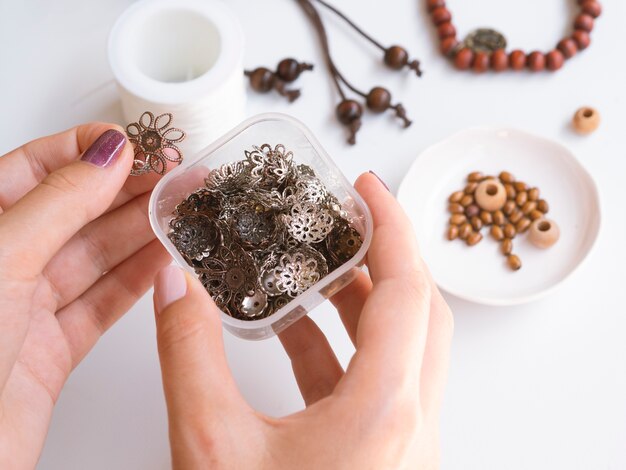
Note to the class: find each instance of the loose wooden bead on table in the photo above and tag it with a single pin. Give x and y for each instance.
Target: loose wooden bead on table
(586, 120)
(490, 195)
(514, 262)
(544, 233)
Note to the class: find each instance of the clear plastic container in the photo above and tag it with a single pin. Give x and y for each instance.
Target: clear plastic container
(273, 129)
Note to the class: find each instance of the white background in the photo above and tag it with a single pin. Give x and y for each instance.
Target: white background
(541, 386)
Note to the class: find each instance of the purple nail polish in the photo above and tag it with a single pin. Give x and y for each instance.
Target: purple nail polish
(380, 179)
(105, 150)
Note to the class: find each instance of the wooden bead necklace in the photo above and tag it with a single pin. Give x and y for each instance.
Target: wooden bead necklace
(486, 48)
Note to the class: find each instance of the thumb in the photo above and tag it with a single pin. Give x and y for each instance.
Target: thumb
(197, 382)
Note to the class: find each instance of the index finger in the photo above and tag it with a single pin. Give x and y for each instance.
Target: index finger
(392, 330)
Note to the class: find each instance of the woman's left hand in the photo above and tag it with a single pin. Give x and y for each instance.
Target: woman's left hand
(76, 252)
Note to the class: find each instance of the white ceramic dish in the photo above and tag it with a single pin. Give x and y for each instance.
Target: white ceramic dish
(479, 273)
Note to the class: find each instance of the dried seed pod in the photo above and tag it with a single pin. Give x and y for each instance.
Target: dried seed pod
(533, 194)
(509, 231)
(456, 196)
(456, 208)
(542, 205)
(472, 210)
(458, 219)
(486, 217)
(475, 176)
(520, 186)
(509, 207)
(523, 225)
(464, 231)
(514, 262)
(510, 191)
(490, 195)
(498, 218)
(453, 232)
(506, 247)
(516, 216)
(497, 233)
(529, 207)
(506, 177)
(536, 214)
(477, 224)
(521, 198)
(474, 238)
(470, 188)
(467, 200)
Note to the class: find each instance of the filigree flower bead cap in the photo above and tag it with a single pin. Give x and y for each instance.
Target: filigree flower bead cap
(154, 140)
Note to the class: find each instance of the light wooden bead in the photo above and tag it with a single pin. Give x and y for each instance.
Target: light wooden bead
(490, 195)
(586, 120)
(544, 233)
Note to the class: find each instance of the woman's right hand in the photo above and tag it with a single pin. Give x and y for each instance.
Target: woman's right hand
(382, 412)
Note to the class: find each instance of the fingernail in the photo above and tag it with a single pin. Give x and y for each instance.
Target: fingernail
(170, 285)
(380, 179)
(105, 150)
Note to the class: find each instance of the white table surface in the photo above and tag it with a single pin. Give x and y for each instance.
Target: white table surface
(541, 386)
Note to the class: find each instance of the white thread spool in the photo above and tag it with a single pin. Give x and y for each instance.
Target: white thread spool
(183, 57)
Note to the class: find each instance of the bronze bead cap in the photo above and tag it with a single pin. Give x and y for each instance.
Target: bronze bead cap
(262, 231)
(153, 141)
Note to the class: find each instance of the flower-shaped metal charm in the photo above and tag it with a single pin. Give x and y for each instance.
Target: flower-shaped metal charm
(228, 178)
(204, 201)
(195, 236)
(308, 189)
(229, 276)
(154, 143)
(309, 223)
(270, 167)
(299, 270)
(255, 226)
(343, 243)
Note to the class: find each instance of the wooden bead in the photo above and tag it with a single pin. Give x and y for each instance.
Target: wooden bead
(396, 57)
(481, 62)
(456, 208)
(568, 47)
(446, 30)
(448, 45)
(582, 39)
(523, 225)
(520, 186)
(348, 111)
(262, 79)
(378, 99)
(542, 205)
(533, 194)
(441, 15)
(509, 231)
(475, 177)
(467, 200)
(514, 262)
(521, 198)
(470, 188)
(529, 207)
(506, 177)
(456, 196)
(584, 22)
(490, 195)
(288, 70)
(592, 8)
(477, 224)
(497, 233)
(536, 214)
(472, 210)
(499, 60)
(453, 232)
(432, 4)
(516, 216)
(486, 217)
(509, 207)
(536, 61)
(507, 246)
(464, 231)
(498, 218)
(586, 120)
(510, 191)
(517, 59)
(554, 60)
(544, 233)
(463, 59)
(474, 238)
